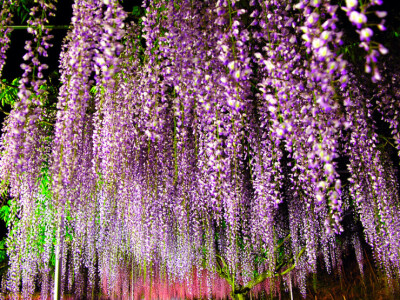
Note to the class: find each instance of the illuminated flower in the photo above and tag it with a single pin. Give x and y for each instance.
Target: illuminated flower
(366, 34)
(351, 4)
(357, 18)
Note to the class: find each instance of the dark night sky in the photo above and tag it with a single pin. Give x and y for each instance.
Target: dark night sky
(18, 37)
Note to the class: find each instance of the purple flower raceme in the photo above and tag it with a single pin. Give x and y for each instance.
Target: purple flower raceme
(359, 19)
(76, 67)
(324, 110)
(22, 127)
(375, 190)
(5, 21)
(25, 148)
(389, 100)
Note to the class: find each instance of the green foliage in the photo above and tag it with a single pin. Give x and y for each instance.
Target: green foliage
(94, 90)
(43, 205)
(137, 11)
(350, 52)
(5, 212)
(38, 235)
(5, 216)
(9, 92)
(3, 252)
(21, 8)
(47, 96)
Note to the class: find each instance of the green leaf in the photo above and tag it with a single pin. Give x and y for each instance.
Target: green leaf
(5, 213)
(53, 259)
(15, 81)
(136, 11)
(3, 255)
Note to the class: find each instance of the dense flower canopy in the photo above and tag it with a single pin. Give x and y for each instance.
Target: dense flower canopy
(199, 148)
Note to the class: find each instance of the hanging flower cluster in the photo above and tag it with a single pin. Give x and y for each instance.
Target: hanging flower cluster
(374, 187)
(203, 162)
(5, 21)
(358, 17)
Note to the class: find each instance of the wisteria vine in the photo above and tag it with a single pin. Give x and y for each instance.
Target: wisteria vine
(203, 161)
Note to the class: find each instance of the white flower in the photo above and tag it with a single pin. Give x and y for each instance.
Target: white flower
(237, 74)
(381, 14)
(382, 49)
(366, 33)
(323, 52)
(317, 43)
(320, 198)
(357, 18)
(315, 3)
(328, 169)
(269, 65)
(326, 35)
(313, 18)
(352, 4)
(321, 185)
(279, 132)
(258, 55)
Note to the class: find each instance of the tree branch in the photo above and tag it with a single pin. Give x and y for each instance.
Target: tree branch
(9, 85)
(4, 112)
(283, 241)
(223, 270)
(47, 123)
(268, 274)
(294, 265)
(22, 27)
